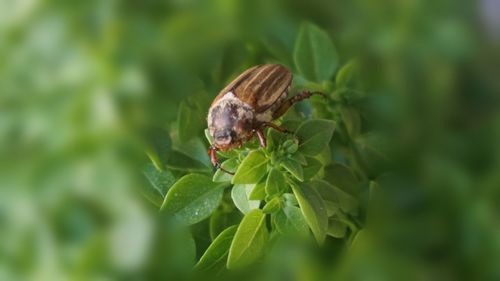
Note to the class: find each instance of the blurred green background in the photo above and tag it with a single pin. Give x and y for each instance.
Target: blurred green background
(80, 79)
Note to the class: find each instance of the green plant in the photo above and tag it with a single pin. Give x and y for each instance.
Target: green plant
(310, 182)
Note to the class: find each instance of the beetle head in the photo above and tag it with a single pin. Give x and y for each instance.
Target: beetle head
(224, 137)
(230, 122)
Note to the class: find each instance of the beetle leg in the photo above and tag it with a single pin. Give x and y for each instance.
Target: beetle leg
(262, 138)
(293, 100)
(277, 128)
(212, 152)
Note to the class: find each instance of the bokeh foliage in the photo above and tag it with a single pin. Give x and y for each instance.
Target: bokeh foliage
(82, 84)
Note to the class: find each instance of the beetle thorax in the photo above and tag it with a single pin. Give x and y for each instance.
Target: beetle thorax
(230, 121)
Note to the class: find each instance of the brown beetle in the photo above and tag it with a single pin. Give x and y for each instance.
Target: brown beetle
(248, 105)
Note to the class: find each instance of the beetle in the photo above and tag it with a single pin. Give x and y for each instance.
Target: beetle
(248, 105)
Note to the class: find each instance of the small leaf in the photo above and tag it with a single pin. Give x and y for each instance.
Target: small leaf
(325, 156)
(276, 183)
(160, 182)
(314, 210)
(178, 252)
(251, 169)
(352, 121)
(249, 241)
(331, 207)
(158, 146)
(229, 165)
(343, 177)
(192, 198)
(293, 168)
(217, 251)
(314, 135)
(314, 53)
(239, 194)
(290, 221)
(312, 168)
(346, 74)
(299, 158)
(182, 162)
(220, 220)
(259, 191)
(194, 148)
(336, 228)
(290, 199)
(272, 206)
(334, 194)
(374, 150)
(189, 121)
(274, 139)
(291, 146)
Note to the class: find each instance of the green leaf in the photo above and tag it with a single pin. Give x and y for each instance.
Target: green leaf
(336, 228)
(221, 219)
(342, 177)
(276, 183)
(290, 221)
(194, 148)
(334, 194)
(259, 190)
(251, 169)
(158, 146)
(314, 53)
(192, 198)
(291, 146)
(229, 165)
(189, 121)
(314, 135)
(290, 199)
(313, 208)
(325, 156)
(346, 74)
(249, 241)
(182, 162)
(177, 253)
(373, 150)
(331, 207)
(160, 182)
(272, 206)
(299, 158)
(217, 251)
(293, 168)
(352, 121)
(240, 194)
(312, 168)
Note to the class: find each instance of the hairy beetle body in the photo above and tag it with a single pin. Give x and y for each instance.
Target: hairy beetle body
(247, 105)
